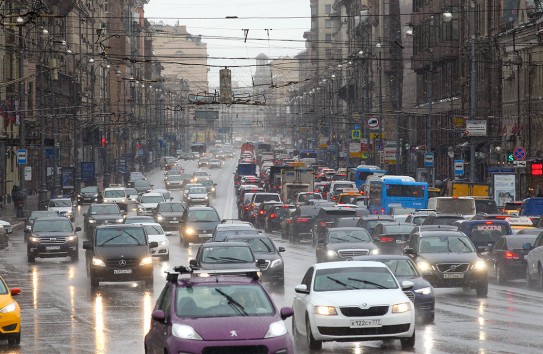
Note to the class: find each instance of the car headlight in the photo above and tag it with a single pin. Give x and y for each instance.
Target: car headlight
(424, 266)
(189, 231)
(12, 307)
(325, 310)
(331, 253)
(34, 239)
(189, 198)
(206, 197)
(213, 189)
(98, 262)
(276, 263)
(401, 308)
(168, 183)
(159, 218)
(119, 221)
(140, 208)
(185, 332)
(92, 221)
(374, 251)
(276, 329)
(71, 238)
(479, 265)
(69, 212)
(424, 291)
(164, 243)
(146, 261)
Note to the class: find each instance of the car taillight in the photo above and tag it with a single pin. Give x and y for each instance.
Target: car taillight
(334, 198)
(322, 223)
(246, 208)
(273, 216)
(306, 220)
(511, 255)
(382, 210)
(261, 212)
(386, 239)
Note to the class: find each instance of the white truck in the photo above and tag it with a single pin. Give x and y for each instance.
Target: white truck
(294, 181)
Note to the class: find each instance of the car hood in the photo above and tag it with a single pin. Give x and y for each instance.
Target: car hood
(449, 257)
(351, 245)
(231, 328)
(54, 234)
(129, 251)
(102, 217)
(157, 238)
(370, 297)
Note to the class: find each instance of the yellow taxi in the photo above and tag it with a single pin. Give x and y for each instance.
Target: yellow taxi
(10, 314)
(350, 196)
(520, 223)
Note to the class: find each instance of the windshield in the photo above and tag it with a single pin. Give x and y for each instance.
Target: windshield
(200, 173)
(116, 193)
(348, 236)
(455, 206)
(40, 214)
(203, 216)
(60, 203)
(486, 206)
(354, 278)
(133, 236)
(222, 235)
(198, 190)
(142, 183)
(175, 178)
(89, 190)
(222, 301)
(131, 191)
(343, 185)
(104, 209)
(60, 225)
(446, 244)
(171, 207)
(260, 198)
(152, 199)
(400, 267)
(257, 244)
(228, 254)
(153, 229)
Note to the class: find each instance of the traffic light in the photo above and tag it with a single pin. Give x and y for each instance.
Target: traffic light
(104, 142)
(139, 146)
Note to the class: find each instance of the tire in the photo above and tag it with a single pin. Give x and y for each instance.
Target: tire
(312, 343)
(14, 339)
(31, 258)
(408, 343)
(530, 284)
(482, 289)
(501, 275)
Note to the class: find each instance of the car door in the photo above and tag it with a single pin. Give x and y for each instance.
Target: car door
(535, 256)
(301, 300)
(496, 253)
(160, 329)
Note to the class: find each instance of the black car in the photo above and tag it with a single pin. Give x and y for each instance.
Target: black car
(343, 243)
(53, 237)
(211, 187)
(298, 224)
(197, 224)
(391, 237)
(326, 217)
(262, 212)
(422, 293)
(276, 215)
(142, 186)
(506, 259)
(442, 219)
(168, 214)
(448, 259)
(369, 222)
(35, 215)
(119, 253)
(99, 214)
(240, 228)
(88, 194)
(272, 266)
(224, 255)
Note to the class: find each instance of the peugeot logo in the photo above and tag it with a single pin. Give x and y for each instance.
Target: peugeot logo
(122, 262)
(233, 334)
(452, 267)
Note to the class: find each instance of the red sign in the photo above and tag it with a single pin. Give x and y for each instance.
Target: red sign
(537, 169)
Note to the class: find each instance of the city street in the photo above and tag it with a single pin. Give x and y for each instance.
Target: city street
(61, 314)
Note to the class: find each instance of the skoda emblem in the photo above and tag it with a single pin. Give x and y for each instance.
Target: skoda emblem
(122, 262)
(363, 305)
(233, 334)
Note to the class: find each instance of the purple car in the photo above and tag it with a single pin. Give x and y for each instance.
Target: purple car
(217, 313)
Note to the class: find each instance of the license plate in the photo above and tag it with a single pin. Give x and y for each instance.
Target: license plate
(122, 271)
(52, 248)
(400, 241)
(366, 323)
(204, 235)
(453, 276)
(174, 222)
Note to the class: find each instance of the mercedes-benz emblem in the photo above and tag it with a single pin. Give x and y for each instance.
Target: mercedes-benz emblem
(205, 232)
(122, 262)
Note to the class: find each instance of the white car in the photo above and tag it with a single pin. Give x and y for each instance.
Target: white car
(148, 202)
(156, 233)
(188, 187)
(198, 196)
(7, 226)
(116, 195)
(534, 260)
(63, 206)
(352, 301)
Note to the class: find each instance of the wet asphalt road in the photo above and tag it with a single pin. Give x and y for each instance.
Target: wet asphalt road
(60, 313)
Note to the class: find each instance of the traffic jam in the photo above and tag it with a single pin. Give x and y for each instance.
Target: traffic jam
(249, 247)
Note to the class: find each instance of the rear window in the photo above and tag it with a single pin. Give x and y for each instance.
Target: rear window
(334, 214)
(512, 206)
(265, 197)
(398, 229)
(446, 220)
(343, 185)
(488, 232)
(486, 206)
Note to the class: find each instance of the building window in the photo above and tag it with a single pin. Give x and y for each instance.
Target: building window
(327, 9)
(328, 23)
(328, 38)
(328, 53)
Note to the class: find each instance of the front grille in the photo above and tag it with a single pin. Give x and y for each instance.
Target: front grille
(265, 265)
(352, 253)
(372, 331)
(452, 267)
(114, 262)
(359, 312)
(246, 349)
(53, 240)
(410, 295)
(426, 307)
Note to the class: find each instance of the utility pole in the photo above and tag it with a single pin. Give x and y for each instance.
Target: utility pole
(473, 87)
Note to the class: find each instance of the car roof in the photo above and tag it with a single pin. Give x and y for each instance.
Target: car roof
(52, 218)
(442, 233)
(377, 217)
(380, 257)
(334, 265)
(242, 225)
(224, 244)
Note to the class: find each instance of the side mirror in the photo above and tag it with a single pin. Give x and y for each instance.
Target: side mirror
(483, 249)
(286, 312)
(153, 244)
(301, 289)
(77, 229)
(87, 245)
(168, 233)
(408, 250)
(281, 249)
(407, 285)
(15, 291)
(527, 246)
(193, 264)
(158, 315)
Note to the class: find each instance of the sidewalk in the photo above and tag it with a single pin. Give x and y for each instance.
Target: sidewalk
(8, 212)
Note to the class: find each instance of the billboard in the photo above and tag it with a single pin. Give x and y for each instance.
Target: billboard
(504, 188)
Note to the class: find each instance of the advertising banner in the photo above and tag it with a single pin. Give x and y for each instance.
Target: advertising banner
(504, 188)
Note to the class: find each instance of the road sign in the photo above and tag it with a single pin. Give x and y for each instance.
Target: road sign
(355, 134)
(519, 163)
(373, 122)
(389, 155)
(28, 173)
(21, 156)
(356, 126)
(519, 153)
(375, 136)
(476, 127)
(458, 167)
(429, 159)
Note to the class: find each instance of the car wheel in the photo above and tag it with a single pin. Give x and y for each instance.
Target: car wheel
(409, 342)
(482, 289)
(14, 339)
(312, 343)
(501, 277)
(529, 282)
(31, 258)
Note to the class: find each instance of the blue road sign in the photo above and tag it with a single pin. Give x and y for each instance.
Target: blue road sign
(21, 156)
(519, 153)
(429, 159)
(458, 167)
(356, 127)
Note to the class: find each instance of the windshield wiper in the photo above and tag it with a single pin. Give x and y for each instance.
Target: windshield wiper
(359, 239)
(379, 286)
(232, 259)
(465, 245)
(341, 283)
(119, 235)
(339, 238)
(233, 303)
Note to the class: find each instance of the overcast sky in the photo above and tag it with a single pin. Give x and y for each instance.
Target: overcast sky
(207, 17)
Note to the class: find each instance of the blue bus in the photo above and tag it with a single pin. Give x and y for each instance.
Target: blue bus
(362, 172)
(396, 192)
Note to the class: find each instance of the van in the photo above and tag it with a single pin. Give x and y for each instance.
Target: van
(116, 195)
(453, 205)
